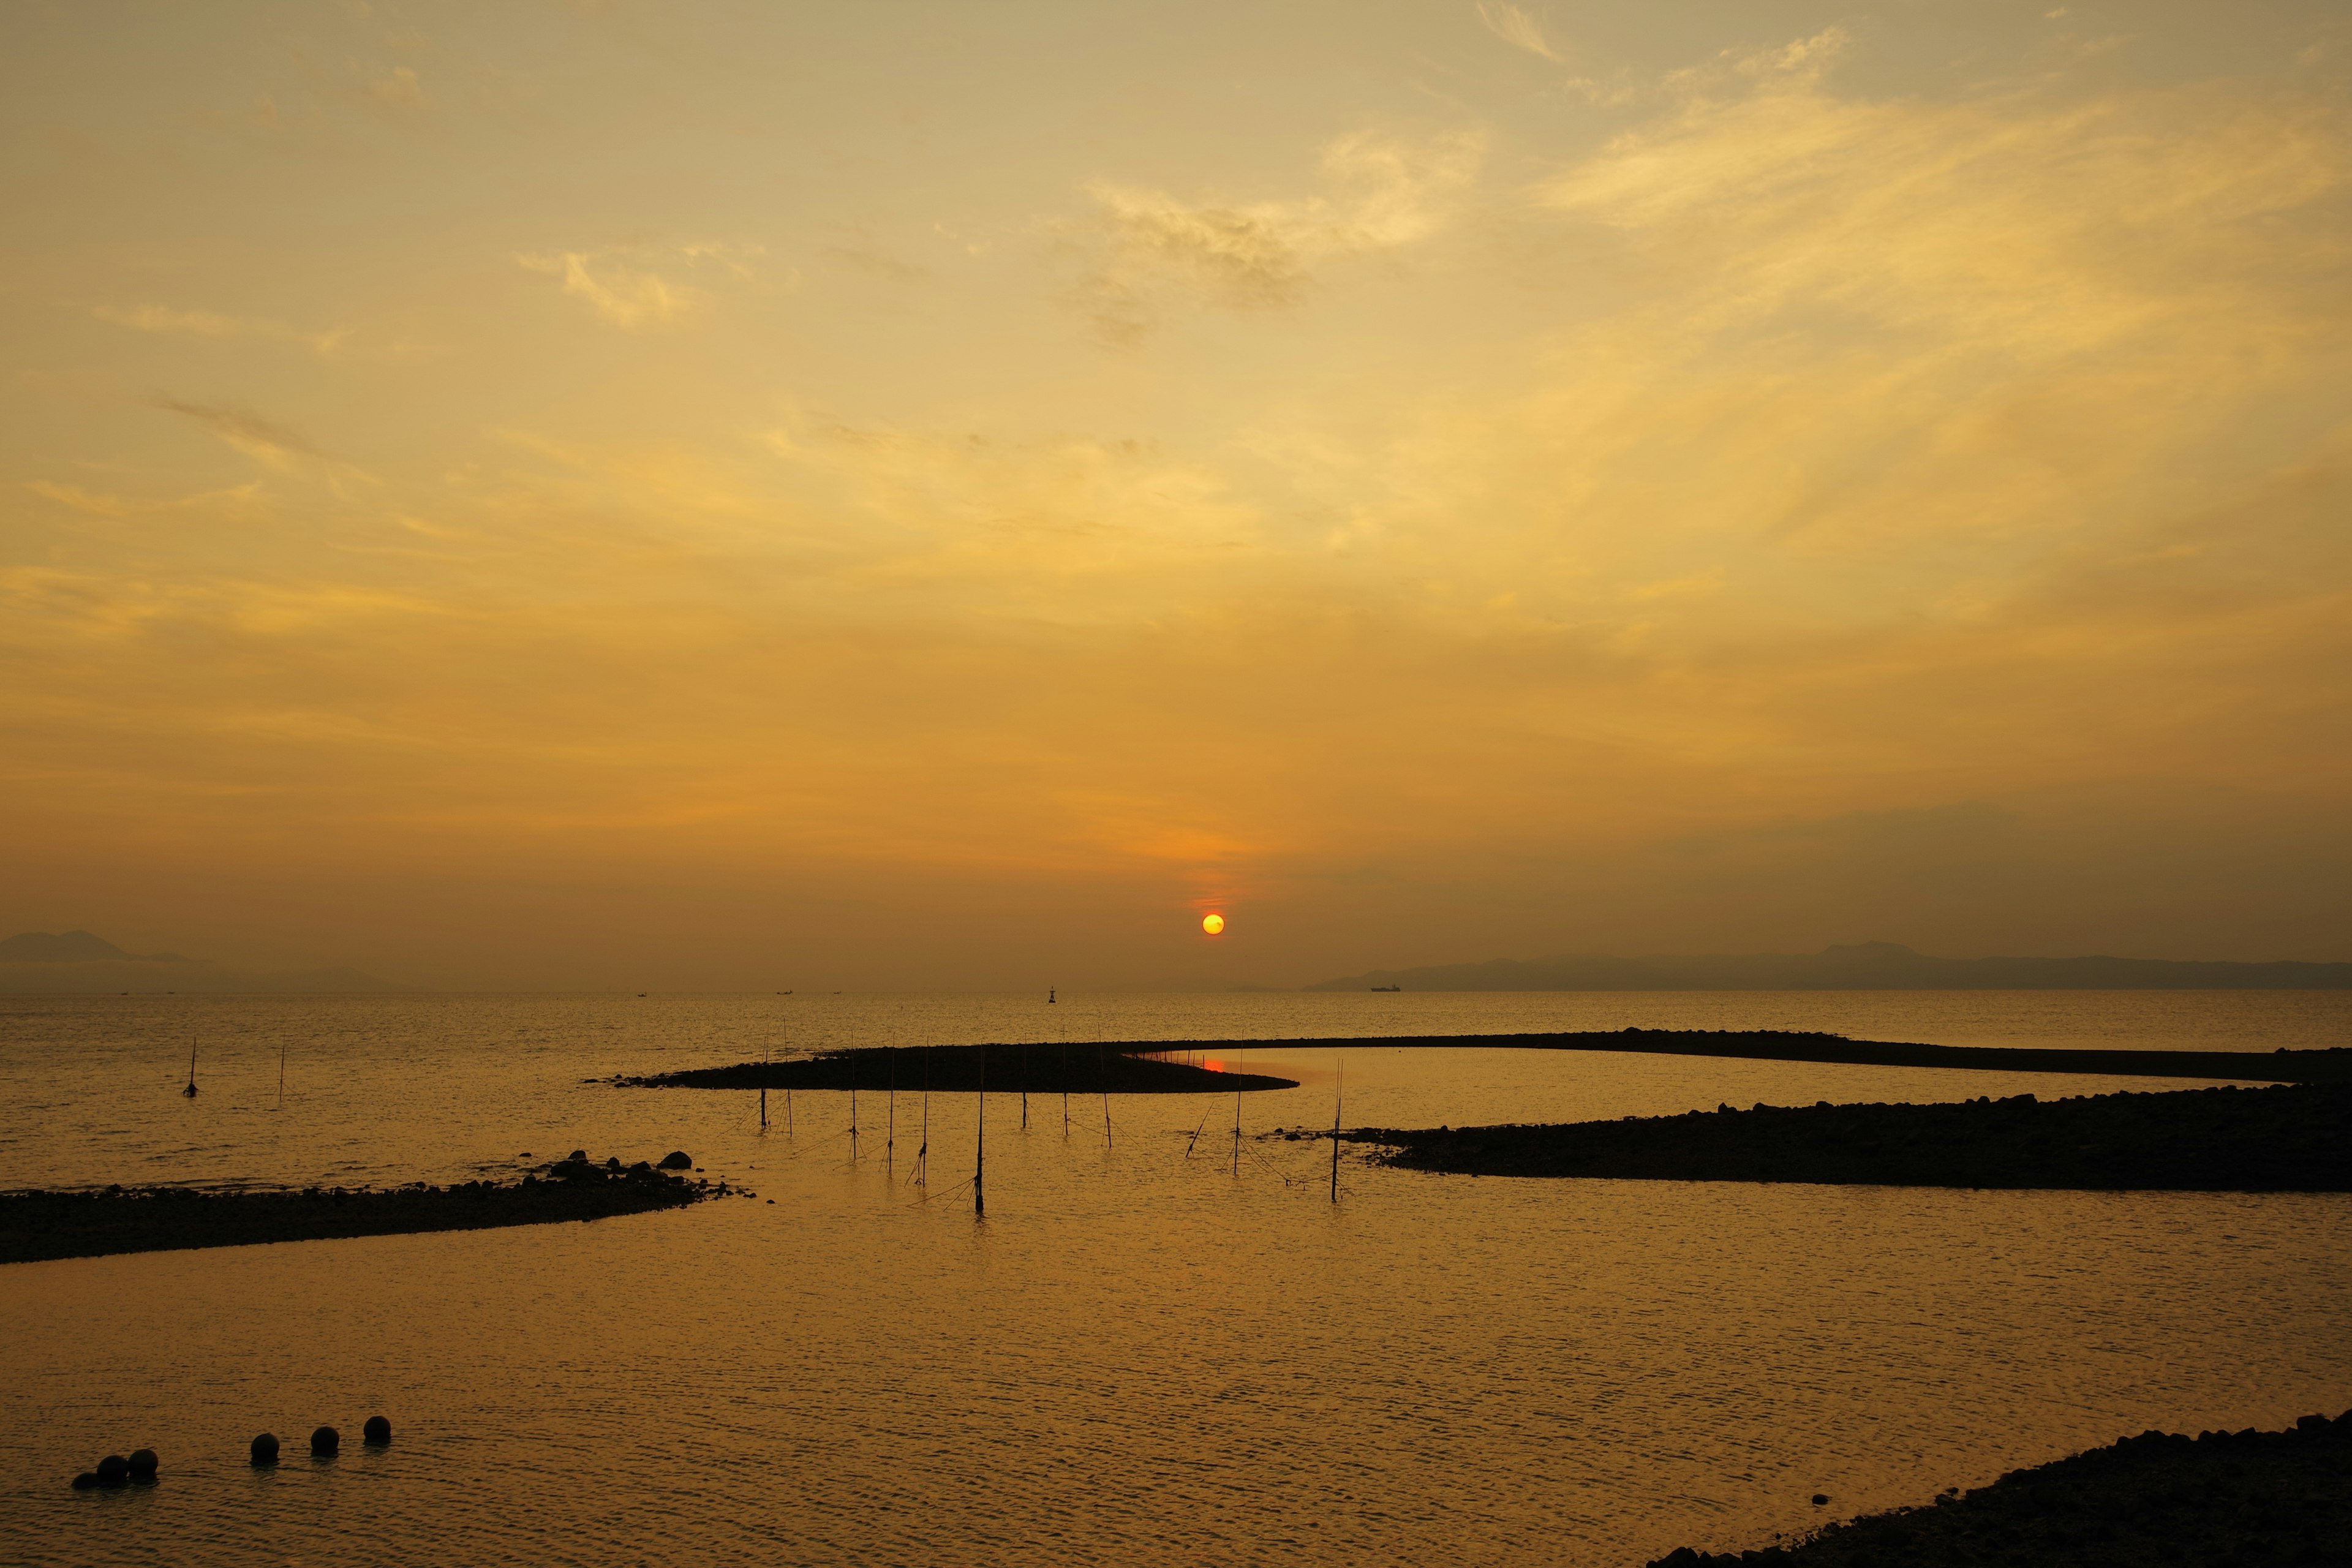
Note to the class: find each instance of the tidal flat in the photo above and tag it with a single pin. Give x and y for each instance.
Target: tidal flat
(2285, 1138)
(37, 1225)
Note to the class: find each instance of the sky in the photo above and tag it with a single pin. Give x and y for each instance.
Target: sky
(931, 497)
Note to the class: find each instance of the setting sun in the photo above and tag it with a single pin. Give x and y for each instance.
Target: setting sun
(1213, 924)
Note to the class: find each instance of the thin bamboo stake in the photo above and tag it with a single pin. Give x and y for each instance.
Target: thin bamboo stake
(1102, 1081)
(922, 1177)
(1339, 1086)
(890, 1139)
(979, 1144)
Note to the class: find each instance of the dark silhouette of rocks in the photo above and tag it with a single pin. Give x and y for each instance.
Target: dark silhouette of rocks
(2221, 1500)
(1037, 1066)
(144, 1464)
(34, 1225)
(2285, 1138)
(113, 1470)
(265, 1450)
(1859, 966)
(377, 1431)
(677, 1160)
(84, 1481)
(325, 1443)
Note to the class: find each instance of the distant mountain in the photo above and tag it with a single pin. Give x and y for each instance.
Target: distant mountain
(1863, 967)
(76, 962)
(72, 947)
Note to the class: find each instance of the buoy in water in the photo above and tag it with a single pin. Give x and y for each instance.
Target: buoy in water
(325, 1443)
(265, 1450)
(378, 1430)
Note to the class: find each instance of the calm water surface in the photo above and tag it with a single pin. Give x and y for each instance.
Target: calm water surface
(1138, 1355)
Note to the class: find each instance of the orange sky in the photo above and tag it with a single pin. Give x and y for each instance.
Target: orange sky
(635, 495)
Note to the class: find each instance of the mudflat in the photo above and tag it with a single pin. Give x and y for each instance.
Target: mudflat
(1037, 1067)
(2284, 1137)
(39, 1226)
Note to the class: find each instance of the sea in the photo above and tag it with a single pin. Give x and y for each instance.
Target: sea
(1163, 1343)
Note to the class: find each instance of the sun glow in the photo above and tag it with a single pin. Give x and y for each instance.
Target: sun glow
(1213, 924)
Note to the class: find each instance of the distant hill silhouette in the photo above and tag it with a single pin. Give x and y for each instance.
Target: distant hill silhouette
(72, 947)
(1863, 966)
(77, 962)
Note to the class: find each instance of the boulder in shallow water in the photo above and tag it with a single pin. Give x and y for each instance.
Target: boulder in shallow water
(113, 1470)
(265, 1450)
(377, 1430)
(143, 1464)
(677, 1160)
(84, 1481)
(325, 1443)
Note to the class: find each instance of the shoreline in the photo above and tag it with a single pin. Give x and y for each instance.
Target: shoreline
(2219, 1497)
(2283, 1138)
(40, 1226)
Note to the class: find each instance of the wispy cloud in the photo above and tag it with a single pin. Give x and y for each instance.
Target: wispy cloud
(1516, 28)
(79, 498)
(213, 324)
(622, 289)
(258, 438)
(1381, 193)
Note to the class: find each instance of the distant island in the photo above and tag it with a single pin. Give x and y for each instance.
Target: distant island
(1861, 966)
(75, 962)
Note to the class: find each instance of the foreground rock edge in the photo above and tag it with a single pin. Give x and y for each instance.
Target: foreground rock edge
(2221, 1498)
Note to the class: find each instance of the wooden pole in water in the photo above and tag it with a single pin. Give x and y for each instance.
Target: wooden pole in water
(1024, 1086)
(1066, 1088)
(1237, 1132)
(890, 1138)
(852, 1108)
(1339, 1086)
(980, 1156)
(764, 1093)
(923, 1155)
(281, 1075)
(190, 1092)
(1102, 1080)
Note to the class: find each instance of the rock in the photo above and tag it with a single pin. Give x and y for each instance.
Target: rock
(143, 1464)
(325, 1443)
(377, 1430)
(677, 1160)
(265, 1450)
(580, 1155)
(113, 1470)
(1820, 1499)
(84, 1481)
